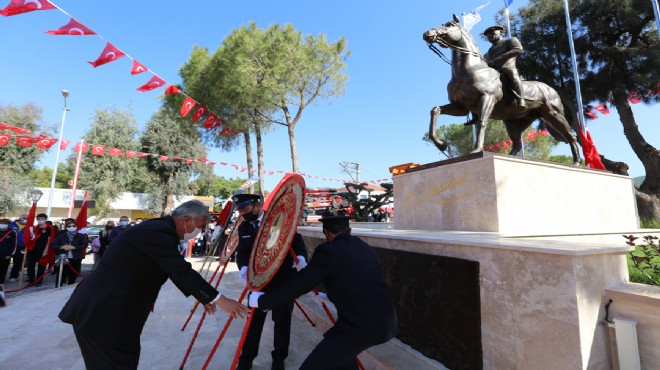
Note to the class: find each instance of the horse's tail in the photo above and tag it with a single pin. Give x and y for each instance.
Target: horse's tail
(433, 135)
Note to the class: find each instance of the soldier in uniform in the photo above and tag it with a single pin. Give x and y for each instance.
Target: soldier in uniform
(249, 206)
(350, 271)
(502, 56)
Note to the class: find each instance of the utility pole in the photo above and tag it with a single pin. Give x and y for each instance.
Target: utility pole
(351, 167)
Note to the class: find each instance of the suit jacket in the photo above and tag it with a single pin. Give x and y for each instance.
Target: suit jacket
(247, 233)
(350, 271)
(114, 301)
(79, 241)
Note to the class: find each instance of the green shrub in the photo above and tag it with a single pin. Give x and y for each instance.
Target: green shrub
(649, 224)
(644, 261)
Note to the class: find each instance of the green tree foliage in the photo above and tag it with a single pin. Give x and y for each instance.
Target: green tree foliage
(41, 177)
(108, 176)
(461, 141)
(169, 134)
(217, 186)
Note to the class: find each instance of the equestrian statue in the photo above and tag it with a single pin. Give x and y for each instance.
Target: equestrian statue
(488, 86)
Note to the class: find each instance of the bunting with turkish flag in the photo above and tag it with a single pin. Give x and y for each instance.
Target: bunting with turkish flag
(188, 161)
(138, 68)
(109, 54)
(131, 154)
(24, 141)
(164, 157)
(4, 139)
(154, 83)
(23, 6)
(634, 97)
(115, 152)
(602, 108)
(46, 142)
(64, 144)
(203, 160)
(211, 121)
(199, 112)
(591, 156)
(81, 146)
(16, 130)
(142, 155)
(590, 114)
(98, 149)
(73, 28)
(172, 90)
(187, 105)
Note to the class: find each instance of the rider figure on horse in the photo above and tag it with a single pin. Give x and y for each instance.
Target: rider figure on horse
(502, 56)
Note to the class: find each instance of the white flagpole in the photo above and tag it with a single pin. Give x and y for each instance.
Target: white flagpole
(576, 77)
(656, 10)
(75, 178)
(506, 16)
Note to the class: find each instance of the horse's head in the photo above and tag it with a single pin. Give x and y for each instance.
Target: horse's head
(446, 35)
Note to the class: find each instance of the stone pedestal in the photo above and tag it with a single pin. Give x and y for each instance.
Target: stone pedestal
(513, 197)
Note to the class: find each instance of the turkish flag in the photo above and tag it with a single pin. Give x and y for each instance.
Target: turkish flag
(211, 121)
(531, 135)
(29, 237)
(602, 108)
(172, 90)
(109, 54)
(226, 131)
(73, 28)
(212, 163)
(131, 154)
(64, 144)
(138, 68)
(203, 160)
(590, 114)
(45, 142)
(176, 158)
(24, 141)
(224, 163)
(591, 156)
(164, 157)
(4, 139)
(634, 98)
(80, 146)
(81, 219)
(187, 105)
(24, 6)
(154, 83)
(98, 149)
(16, 130)
(115, 152)
(142, 155)
(188, 161)
(199, 112)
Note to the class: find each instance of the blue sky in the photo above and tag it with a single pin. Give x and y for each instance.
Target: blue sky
(394, 80)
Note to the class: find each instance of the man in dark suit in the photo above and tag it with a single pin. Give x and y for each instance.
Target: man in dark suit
(350, 271)
(109, 308)
(249, 206)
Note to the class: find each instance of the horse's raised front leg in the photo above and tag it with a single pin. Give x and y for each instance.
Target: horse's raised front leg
(485, 108)
(449, 109)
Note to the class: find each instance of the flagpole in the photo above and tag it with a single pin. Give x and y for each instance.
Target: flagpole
(75, 177)
(51, 195)
(656, 10)
(576, 77)
(506, 16)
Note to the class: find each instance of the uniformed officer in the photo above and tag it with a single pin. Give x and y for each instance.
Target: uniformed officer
(502, 56)
(250, 208)
(350, 271)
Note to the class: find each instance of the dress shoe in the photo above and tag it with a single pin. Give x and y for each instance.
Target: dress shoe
(244, 365)
(278, 364)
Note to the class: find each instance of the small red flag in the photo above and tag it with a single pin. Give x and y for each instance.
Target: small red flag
(28, 237)
(78, 147)
(81, 219)
(142, 155)
(16, 130)
(176, 158)
(73, 28)
(591, 156)
(187, 105)
(164, 157)
(188, 161)
(199, 112)
(131, 154)
(602, 108)
(211, 121)
(138, 68)
(590, 114)
(203, 160)
(24, 141)
(98, 149)
(154, 83)
(46, 142)
(109, 54)
(4, 139)
(172, 90)
(24, 6)
(634, 98)
(64, 144)
(115, 152)
(531, 135)
(226, 131)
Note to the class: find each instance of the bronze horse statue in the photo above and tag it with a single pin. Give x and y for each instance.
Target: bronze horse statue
(477, 88)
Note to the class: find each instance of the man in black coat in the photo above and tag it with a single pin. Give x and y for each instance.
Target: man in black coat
(250, 208)
(109, 308)
(350, 271)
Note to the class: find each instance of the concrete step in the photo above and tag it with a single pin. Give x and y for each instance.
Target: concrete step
(393, 355)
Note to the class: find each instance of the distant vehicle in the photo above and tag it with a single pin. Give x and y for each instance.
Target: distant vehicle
(93, 233)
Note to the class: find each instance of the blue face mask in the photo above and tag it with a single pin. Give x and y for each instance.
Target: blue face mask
(123, 223)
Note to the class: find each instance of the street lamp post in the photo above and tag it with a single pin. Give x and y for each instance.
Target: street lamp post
(65, 94)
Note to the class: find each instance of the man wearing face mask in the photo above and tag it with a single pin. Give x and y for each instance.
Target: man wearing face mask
(250, 208)
(7, 249)
(121, 227)
(40, 237)
(350, 271)
(109, 307)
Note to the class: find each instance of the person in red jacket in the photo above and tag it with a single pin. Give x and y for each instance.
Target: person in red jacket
(37, 241)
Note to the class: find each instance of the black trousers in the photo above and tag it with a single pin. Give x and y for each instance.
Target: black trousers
(282, 333)
(17, 260)
(32, 263)
(4, 266)
(335, 352)
(102, 355)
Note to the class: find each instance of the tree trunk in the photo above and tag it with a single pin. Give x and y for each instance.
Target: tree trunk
(648, 205)
(248, 150)
(260, 157)
(169, 199)
(294, 150)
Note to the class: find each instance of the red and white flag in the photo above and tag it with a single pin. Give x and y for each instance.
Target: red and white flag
(46, 142)
(109, 54)
(16, 130)
(64, 144)
(24, 6)
(530, 136)
(138, 68)
(24, 140)
(634, 97)
(590, 114)
(188, 161)
(187, 105)
(81, 219)
(142, 155)
(98, 149)
(115, 152)
(591, 155)
(172, 90)
(203, 160)
(164, 157)
(4, 139)
(602, 108)
(73, 28)
(199, 112)
(211, 121)
(154, 83)
(131, 154)
(79, 146)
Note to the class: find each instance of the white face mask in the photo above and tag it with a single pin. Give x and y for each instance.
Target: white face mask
(190, 235)
(71, 229)
(3, 226)
(41, 222)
